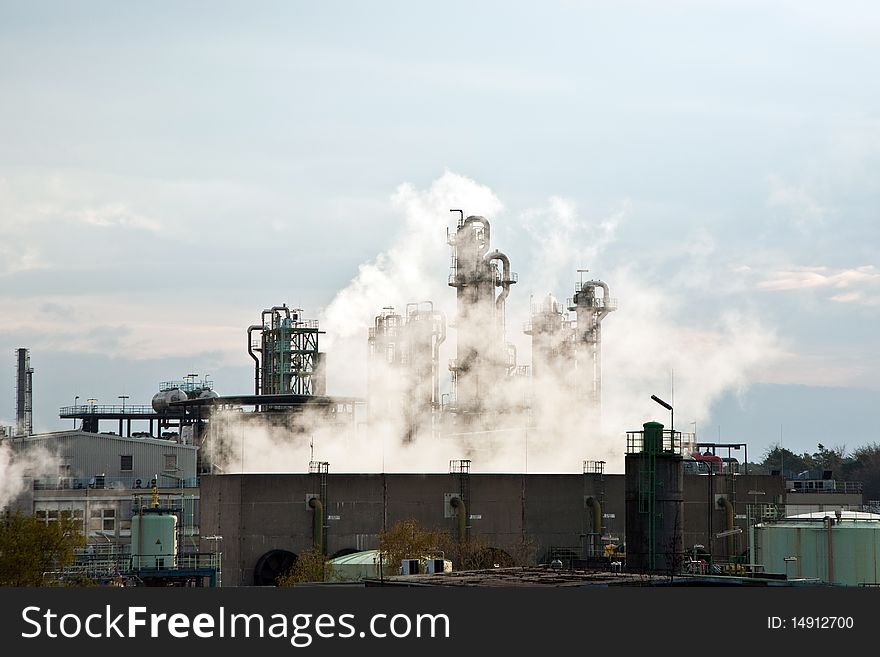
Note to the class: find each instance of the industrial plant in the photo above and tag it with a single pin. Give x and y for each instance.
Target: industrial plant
(163, 496)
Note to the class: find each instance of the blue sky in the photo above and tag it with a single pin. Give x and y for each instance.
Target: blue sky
(168, 170)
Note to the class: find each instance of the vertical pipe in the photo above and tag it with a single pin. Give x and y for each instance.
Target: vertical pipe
(829, 523)
(725, 504)
(250, 348)
(596, 508)
(317, 524)
(461, 516)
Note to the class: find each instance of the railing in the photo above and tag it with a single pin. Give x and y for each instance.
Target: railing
(103, 482)
(198, 560)
(88, 409)
(187, 386)
(827, 486)
(671, 443)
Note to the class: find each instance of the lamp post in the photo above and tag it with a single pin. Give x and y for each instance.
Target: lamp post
(75, 400)
(123, 398)
(669, 408)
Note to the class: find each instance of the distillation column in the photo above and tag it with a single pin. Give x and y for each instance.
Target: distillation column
(552, 336)
(289, 360)
(590, 311)
(483, 359)
(404, 375)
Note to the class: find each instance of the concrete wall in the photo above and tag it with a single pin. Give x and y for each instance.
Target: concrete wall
(525, 515)
(529, 516)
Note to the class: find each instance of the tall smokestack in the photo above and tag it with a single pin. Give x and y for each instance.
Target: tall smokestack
(24, 393)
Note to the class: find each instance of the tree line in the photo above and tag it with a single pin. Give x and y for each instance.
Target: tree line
(862, 464)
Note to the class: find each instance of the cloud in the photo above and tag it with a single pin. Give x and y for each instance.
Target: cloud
(17, 258)
(114, 215)
(862, 284)
(797, 202)
(562, 241)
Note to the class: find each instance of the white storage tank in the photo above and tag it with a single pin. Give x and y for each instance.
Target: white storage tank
(163, 398)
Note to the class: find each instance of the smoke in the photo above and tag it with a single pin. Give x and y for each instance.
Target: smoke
(18, 466)
(538, 424)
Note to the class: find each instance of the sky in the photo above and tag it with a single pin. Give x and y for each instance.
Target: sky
(168, 170)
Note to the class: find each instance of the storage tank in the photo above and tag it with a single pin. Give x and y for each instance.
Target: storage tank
(839, 548)
(654, 500)
(163, 398)
(154, 537)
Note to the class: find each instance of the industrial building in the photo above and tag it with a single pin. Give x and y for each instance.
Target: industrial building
(682, 506)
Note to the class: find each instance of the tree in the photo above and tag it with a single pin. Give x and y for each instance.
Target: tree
(409, 540)
(31, 549)
(779, 458)
(310, 566)
(865, 467)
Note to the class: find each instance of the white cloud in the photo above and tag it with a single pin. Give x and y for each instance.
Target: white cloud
(862, 284)
(798, 202)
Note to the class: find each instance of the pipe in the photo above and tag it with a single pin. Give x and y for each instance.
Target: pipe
(606, 297)
(725, 504)
(596, 506)
(487, 231)
(317, 524)
(250, 348)
(441, 338)
(829, 523)
(461, 514)
(505, 276)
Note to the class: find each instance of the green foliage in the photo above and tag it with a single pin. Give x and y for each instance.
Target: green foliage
(865, 467)
(835, 459)
(310, 566)
(409, 540)
(30, 549)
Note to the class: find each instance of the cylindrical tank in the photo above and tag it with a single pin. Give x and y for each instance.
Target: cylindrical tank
(842, 550)
(154, 539)
(208, 394)
(654, 503)
(163, 398)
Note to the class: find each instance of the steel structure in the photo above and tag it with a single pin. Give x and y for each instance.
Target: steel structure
(24, 393)
(590, 310)
(408, 345)
(552, 334)
(483, 359)
(289, 360)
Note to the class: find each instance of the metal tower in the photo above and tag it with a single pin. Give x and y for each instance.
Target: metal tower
(552, 339)
(289, 361)
(410, 346)
(24, 393)
(590, 311)
(483, 358)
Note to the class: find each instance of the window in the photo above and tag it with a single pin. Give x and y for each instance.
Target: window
(170, 462)
(125, 463)
(53, 515)
(102, 520)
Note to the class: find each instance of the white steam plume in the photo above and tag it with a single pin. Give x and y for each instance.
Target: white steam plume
(17, 466)
(644, 340)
